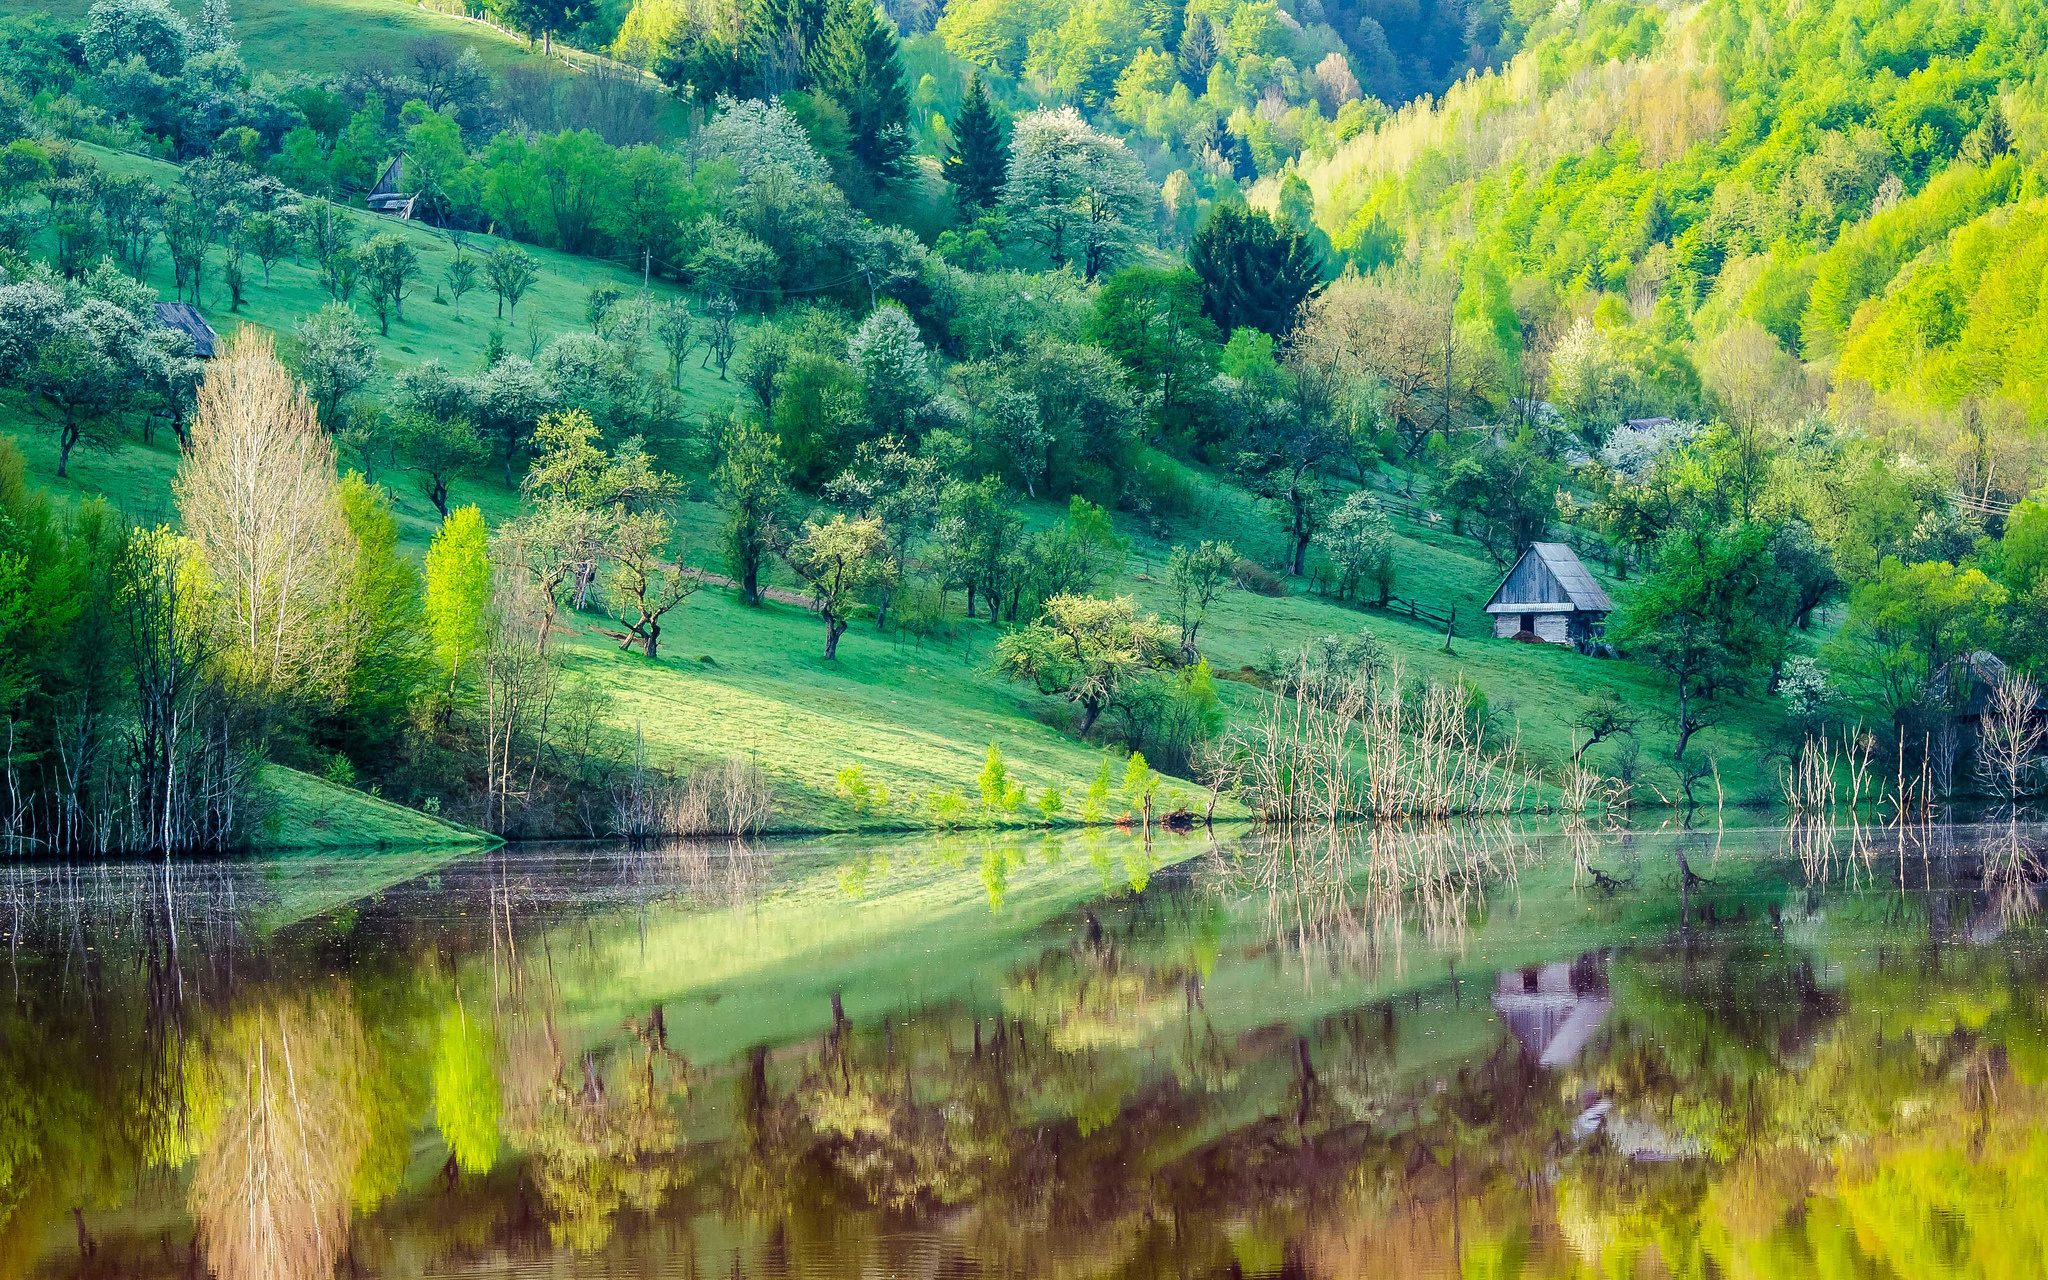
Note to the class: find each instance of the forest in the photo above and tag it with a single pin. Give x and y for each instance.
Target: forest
(1188, 375)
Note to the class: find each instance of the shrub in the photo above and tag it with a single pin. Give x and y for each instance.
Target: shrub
(946, 808)
(1050, 804)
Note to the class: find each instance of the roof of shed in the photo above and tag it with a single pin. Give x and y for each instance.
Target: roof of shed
(185, 318)
(1563, 564)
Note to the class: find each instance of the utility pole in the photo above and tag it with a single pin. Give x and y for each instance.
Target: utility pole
(646, 267)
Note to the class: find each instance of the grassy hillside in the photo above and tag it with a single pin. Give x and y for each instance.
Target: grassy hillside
(299, 811)
(433, 327)
(919, 716)
(326, 36)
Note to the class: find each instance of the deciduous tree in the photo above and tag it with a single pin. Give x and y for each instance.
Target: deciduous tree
(1088, 650)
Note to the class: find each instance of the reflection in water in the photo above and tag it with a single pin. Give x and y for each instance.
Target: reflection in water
(1430, 1051)
(277, 1164)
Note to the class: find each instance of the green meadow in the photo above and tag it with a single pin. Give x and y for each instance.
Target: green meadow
(916, 715)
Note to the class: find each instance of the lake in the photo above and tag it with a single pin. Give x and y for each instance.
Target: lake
(1475, 1050)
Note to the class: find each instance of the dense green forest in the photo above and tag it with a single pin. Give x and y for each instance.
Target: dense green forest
(1185, 377)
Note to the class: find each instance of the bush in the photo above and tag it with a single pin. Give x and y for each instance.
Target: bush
(1167, 487)
(1175, 716)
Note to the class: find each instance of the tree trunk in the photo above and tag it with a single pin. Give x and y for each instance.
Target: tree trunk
(750, 585)
(833, 629)
(68, 438)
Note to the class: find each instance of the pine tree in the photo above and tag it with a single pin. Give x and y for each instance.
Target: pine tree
(1197, 52)
(854, 62)
(1253, 272)
(790, 31)
(980, 155)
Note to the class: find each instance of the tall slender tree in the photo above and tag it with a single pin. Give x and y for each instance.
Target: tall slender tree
(981, 155)
(854, 62)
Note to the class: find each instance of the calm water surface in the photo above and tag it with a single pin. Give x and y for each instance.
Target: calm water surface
(1476, 1052)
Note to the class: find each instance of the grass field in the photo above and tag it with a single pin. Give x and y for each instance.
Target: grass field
(299, 811)
(919, 717)
(321, 37)
(433, 327)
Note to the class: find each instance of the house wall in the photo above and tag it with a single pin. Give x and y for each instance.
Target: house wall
(1555, 628)
(1531, 582)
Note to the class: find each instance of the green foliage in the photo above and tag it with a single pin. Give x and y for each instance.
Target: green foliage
(1705, 617)
(750, 480)
(458, 591)
(1051, 803)
(1000, 794)
(840, 558)
(1907, 623)
(466, 1094)
(861, 794)
(1140, 782)
(1255, 273)
(1088, 650)
(855, 62)
(1153, 321)
(980, 158)
(1095, 805)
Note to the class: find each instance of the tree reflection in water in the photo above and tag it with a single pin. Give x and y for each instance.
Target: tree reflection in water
(1423, 1051)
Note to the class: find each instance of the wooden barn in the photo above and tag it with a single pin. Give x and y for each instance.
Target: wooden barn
(390, 196)
(1549, 596)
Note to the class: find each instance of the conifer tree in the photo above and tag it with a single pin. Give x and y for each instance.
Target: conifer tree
(1197, 52)
(1254, 272)
(854, 62)
(980, 155)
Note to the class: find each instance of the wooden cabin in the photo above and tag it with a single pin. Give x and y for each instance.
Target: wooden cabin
(184, 318)
(389, 195)
(1550, 597)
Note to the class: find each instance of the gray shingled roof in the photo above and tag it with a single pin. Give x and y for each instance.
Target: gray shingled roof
(185, 318)
(1564, 565)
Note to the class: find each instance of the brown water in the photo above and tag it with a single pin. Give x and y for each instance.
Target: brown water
(1474, 1051)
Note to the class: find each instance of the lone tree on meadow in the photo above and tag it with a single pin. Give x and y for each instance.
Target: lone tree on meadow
(1196, 576)
(1089, 650)
(643, 581)
(511, 271)
(751, 481)
(840, 559)
(436, 450)
(389, 267)
(461, 279)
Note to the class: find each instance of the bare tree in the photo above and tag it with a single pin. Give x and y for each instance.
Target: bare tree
(2009, 747)
(258, 496)
(270, 1191)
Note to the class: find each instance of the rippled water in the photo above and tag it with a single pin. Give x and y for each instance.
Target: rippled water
(1471, 1051)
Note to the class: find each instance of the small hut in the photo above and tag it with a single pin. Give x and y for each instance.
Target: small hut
(1554, 1009)
(1548, 596)
(389, 196)
(184, 318)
